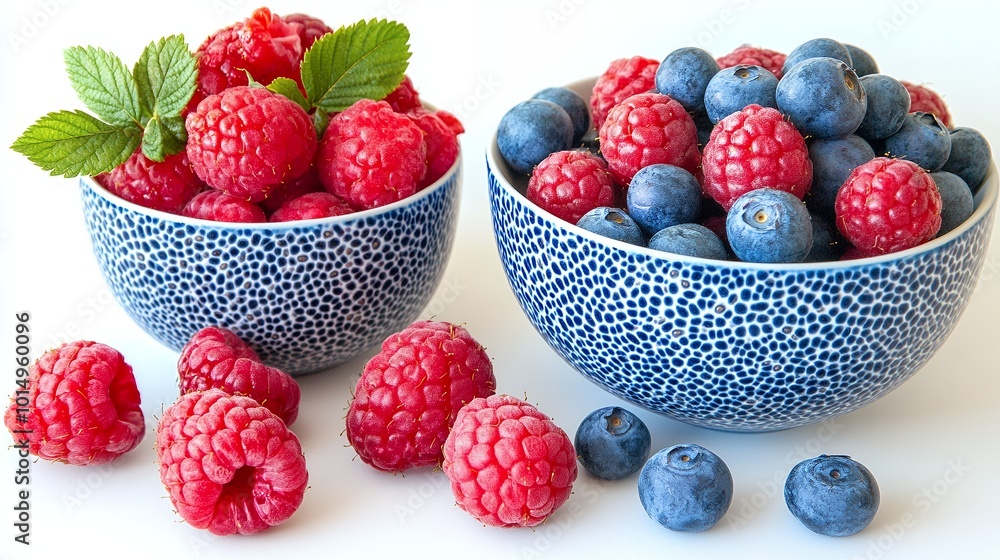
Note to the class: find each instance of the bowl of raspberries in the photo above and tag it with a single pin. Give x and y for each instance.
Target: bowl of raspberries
(283, 180)
(751, 242)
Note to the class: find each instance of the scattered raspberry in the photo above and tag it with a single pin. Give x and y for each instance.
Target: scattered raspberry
(308, 28)
(408, 395)
(229, 464)
(569, 184)
(645, 129)
(623, 78)
(769, 60)
(311, 206)
(508, 464)
(888, 205)
(751, 149)
(246, 140)
(270, 387)
(161, 185)
(404, 98)
(306, 183)
(371, 156)
(218, 206)
(926, 100)
(83, 406)
(441, 142)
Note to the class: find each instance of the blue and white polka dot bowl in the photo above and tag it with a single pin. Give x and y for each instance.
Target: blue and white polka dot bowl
(306, 295)
(729, 345)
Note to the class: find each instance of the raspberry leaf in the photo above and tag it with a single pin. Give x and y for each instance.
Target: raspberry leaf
(163, 136)
(74, 143)
(104, 84)
(165, 77)
(365, 60)
(288, 88)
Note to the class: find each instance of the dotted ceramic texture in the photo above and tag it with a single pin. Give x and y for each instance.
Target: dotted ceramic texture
(305, 298)
(733, 347)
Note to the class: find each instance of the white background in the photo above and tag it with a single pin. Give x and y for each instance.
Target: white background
(931, 444)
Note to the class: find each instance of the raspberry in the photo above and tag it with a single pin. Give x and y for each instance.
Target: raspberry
(306, 183)
(246, 140)
(371, 156)
(772, 61)
(404, 98)
(229, 464)
(161, 185)
(83, 406)
(508, 464)
(207, 348)
(441, 142)
(926, 100)
(751, 149)
(308, 28)
(408, 395)
(218, 206)
(623, 78)
(569, 184)
(311, 206)
(888, 205)
(451, 120)
(645, 129)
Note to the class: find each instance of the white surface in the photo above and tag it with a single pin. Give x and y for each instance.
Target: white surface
(931, 444)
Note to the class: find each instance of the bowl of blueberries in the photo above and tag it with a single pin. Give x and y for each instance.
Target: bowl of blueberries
(723, 249)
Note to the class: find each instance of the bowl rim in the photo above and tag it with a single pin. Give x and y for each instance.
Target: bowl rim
(984, 202)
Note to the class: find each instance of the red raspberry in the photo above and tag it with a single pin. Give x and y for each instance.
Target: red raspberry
(769, 60)
(927, 100)
(308, 28)
(751, 149)
(82, 406)
(645, 129)
(451, 120)
(207, 348)
(371, 156)
(408, 395)
(311, 206)
(623, 78)
(218, 206)
(246, 140)
(442, 145)
(571, 183)
(161, 185)
(404, 98)
(888, 205)
(306, 183)
(508, 464)
(229, 464)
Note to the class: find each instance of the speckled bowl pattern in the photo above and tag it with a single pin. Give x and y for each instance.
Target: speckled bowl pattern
(730, 345)
(305, 295)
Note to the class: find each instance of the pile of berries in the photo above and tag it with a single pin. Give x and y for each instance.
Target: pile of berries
(754, 155)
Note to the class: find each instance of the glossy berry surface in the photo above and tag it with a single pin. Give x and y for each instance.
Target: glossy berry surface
(832, 495)
(822, 97)
(530, 131)
(613, 223)
(769, 226)
(684, 74)
(732, 89)
(922, 139)
(663, 195)
(612, 443)
(686, 488)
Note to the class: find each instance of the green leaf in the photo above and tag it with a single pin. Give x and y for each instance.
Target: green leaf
(365, 60)
(288, 88)
(73, 143)
(165, 77)
(163, 136)
(320, 120)
(104, 84)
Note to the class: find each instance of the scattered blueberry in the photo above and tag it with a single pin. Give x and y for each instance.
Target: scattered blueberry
(861, 61)
(732, 89)
(822, 97)
(663, 195)
(573, 104)
(693, 240)
(923, 139)
(613, 223)
(685, 488)
(817, 48)
(888, 104)
(532, 130)
(833, 161)
(684, 74)
(970, 156)
(612, 443)
(956, 200)
(769, 226)
(832, 495)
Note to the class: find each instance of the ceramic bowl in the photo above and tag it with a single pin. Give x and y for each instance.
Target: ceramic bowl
(731, 345)
(306, 295)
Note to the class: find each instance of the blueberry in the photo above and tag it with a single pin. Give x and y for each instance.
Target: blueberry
(923, 139)
(685, 488)
(704, 125)
(532, 130)
(970, 156)
(612, 443)
(613, 223)
(888, 105)
(684, 74)
(861, 61)
(769, 226)
(663, 195)
(573, 104)
(822, 97)
(817, 48)
(693, 240)
(956, 200)
(832, 495)
(732, 89)
(826, 243)
(833, 161)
